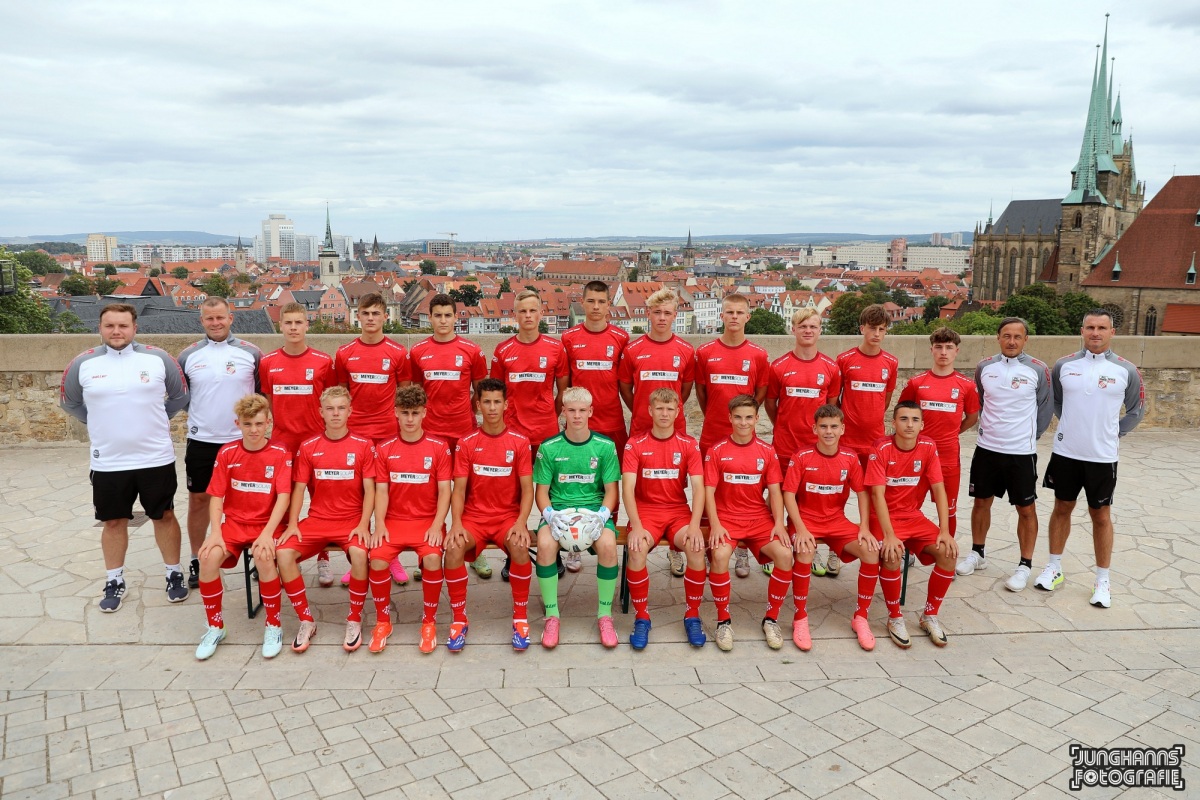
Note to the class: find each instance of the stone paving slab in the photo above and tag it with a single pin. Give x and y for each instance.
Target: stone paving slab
(96, 705)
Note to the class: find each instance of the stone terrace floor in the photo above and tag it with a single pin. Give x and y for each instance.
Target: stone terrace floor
(116, 705)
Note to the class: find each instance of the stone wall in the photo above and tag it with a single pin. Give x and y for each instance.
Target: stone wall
(31, 370)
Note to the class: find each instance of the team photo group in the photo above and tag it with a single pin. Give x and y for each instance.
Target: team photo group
(438, 452)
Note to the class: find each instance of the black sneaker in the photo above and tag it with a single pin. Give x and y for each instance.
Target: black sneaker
(176, 591)
(113, 592)
(194, 574)
(504, 571)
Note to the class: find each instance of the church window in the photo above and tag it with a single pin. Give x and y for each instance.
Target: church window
(1078, 220)
(1151, 322)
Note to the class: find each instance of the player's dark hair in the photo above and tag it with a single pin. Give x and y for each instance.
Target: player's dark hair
(829, 411)
(873, 315)
(439, 300)
(1101, 312)
(119, 308)
(908, 405)
(743, 401)
(410, 397)
(944, 335)
(492, 385)
(596, 286)
(372, 300)
(1004, 323)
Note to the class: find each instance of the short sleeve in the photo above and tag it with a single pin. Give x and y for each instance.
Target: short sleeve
(629, 459)
(524, 465)
(909, 392)
(773, 383)
(443, 466)
(611, 468)
(876, 470)
(791, 481)
(854, 476)
(283, 474)
(462, 461)
(478, 366)
(543, 475)
(695, 466)
(933, 466)
(218, 484)
(712, 475)
(772, 474)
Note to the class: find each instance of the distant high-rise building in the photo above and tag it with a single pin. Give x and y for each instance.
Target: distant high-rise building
(279, 237)
(439, 247)
(896, 251)
(935, 239)
(101, 247)
(956, 240)
(307, 247)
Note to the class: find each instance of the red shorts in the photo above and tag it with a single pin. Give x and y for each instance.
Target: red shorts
(486, 532)
(665, 523)
(754, 537)
(404, 535)
(916, 532)
(321, 533)
(238, 538)
(836, 534)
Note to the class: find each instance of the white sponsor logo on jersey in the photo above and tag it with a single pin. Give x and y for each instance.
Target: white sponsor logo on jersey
(428, 462)
(936, 405)
(368, 377)
(442, 374)
(737, 477)
(802, 391)
(542, 362)
(387, 363)
(409, 477)
(334, 474)
(823, 488)
(251, 486)
(488, 471)
(659, 375)
(729, 380)
(527, 377)
(291, 388)
(660, 474)
(867, 386)
(567, 477)
(308, 374)
(593, 365)
(903, 481)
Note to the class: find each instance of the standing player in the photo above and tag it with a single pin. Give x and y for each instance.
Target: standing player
(726, 367)
(657, 360)
(250, 488)
(338, 469)
(868, 380)
(949, 407)
(736, 470)
(293, 378)
(126, 393)
(412, 497)
(221, 369)
(372, 367)
(818, 482)
(902, 470)
(656, 469)
(493, 493)
(798, 383)
(1089, 388)
(449, 368)
(594, 350)
(577, 469)
(1016, 407)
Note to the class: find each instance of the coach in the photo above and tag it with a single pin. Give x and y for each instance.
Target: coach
(1089, 388)
(118, 390)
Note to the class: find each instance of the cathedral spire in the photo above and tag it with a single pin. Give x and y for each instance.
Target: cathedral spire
(1096, 150)
(328, 229)
(689, 241)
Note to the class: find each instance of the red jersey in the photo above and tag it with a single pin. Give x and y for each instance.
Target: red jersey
(412, 471)
(249, 481)
(866, 383)
(663, 468)
(822, 484)
(334, 470)
(944, 400)
(493, 466)
(907, 474)
(741, 474)
(799, 388)
(725, 372)
(447, 370)
(593, 359)
(372, 371)
(294, 385)
(529, 370)
(650, 365)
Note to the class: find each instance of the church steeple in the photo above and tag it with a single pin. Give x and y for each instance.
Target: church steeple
(328, 230)
(375, 249)
(1096, 151)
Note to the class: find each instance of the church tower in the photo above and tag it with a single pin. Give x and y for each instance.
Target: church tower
(331, 273)
(239, 257)
(689, 252)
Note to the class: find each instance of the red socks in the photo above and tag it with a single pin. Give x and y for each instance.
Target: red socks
(358, 597)
(693, 589)
(801, 577)
(295, 592)
(777, 588)
(639, 591)
(939, 584)
(456, 587)
(719, 583)
(270, 599)
(431, 591)
(210, 595)
(381, 590)
(889, 582)
(868, 576)
(519, 576)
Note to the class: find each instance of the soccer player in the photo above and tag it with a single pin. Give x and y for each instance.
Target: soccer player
(736, 471)
(126, 393)
(656, 469)
(1089, 388)
(868, 380)
(1016, 407)
(819, 481)
(657, 360)
(220, 369)
(534, 369)
(949, 407)
(372, 367)
(251, 486)
(338, 470)
(577, 469)
(726, 367)
(493, 493)
(594, 349)
(293, 378)
(449, 368)
(412, 498)
(902, 470)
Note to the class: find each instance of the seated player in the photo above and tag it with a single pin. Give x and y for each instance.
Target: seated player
(736, 471)
(493, 493)
(656, 469)
(818, 483)
(901, 470)
(250, 487)
(412, 498)
(338, 469)
(577, 469)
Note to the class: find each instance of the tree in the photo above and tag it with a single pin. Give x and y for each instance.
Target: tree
(132, 265)
(467, 295)
(76, 285)
(637, 329)
(915, 328)
(216, 286)
(876, 291)
(54, 248)
(66, 322)
(243, 279)
(1043, 318)
(1041, 291)
(23, 311)
(543, 327)
(843, 317)
(181, 273)
(428, 266)
(37, 262)
(1074, 306)
(901, 298)
(976, 323)
(507, 329)
(933, 307)
(505, 286)
(794, 285)
(105, 286)
(155, 272)
(109, 269)
(763, 322)
(410, 283)
(633, 275)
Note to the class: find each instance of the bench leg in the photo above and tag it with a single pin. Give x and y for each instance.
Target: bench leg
(624, 580)
(251, 573)
(904, 577)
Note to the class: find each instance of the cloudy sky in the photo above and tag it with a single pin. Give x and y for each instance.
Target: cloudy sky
(533, 119)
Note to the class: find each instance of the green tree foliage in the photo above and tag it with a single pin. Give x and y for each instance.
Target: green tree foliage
(633, 275)
(410, 283)
(1043, 318)
(76, 285)
(505, 286)
(1074, 305)
(794, 285)
(243, 279)
(467, 295)
(428, 267)
(917, 327)
(901, 298)
(109, 269)
(876, 291)
(763, 322)
(977, 323)
(507, 329)
(637, 329)
(37, 262)
(54, 248)
(155, 272)
(843, 317)
(66, 322)
(933, 307)
(23, 311)
(216, 286)
(105, 286)
(543, 327)
(180, 272)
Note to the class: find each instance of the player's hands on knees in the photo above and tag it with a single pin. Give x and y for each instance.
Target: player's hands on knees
(361, 533)
(377, 536)
(518, 535)
(866, 541)
(693, 539)
(638, 540)
(292, 530)
(434, 536)
(264, 546)
(780, 533)
(946, 544)
(717, 536)
(804, 543)
(892, 549)
(213, 540)
(457, 537)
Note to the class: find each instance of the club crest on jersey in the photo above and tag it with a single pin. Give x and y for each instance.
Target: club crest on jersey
(1106, 381)
(271, 471)
(820, 379)
(883, 373)
(917, 465)
(675, 361)
(508, 456)
(458, 361)
(759, 464)
(746, 365)
(608, 351)
(593, 462)
(954, 393)
(676, 458)
(387, 363)
(1016, 382)
(230, 368)
(542, 362)
(308, 374)
(845, 474)
(144, 376)
(428, 462)
(349, 459)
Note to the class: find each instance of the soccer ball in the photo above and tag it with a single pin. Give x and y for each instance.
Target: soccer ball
(575, 529)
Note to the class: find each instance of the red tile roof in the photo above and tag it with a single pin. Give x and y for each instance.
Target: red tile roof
(1181, 318)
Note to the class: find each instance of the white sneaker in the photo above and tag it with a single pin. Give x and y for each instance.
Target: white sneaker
(833, 565)
(324, 573)
(1019, 579)
(573, 561)
(1102, 597)
(972, 562)
(1050, 579)
(899, 632)
(678, 564)
(272, 641)
(741, 562)
(934, 628)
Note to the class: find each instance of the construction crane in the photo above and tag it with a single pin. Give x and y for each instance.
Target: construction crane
(451, 234)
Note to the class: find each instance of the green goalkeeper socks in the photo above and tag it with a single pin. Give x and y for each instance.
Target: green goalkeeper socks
(606, 586)
(547, 576)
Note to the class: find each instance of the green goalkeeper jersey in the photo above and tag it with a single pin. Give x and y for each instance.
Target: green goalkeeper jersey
(577, 473)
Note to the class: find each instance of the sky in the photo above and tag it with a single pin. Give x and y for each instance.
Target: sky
(524, 120)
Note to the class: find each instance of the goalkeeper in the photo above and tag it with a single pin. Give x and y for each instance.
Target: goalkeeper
(577, 471)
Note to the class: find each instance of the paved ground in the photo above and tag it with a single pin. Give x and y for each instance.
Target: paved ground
(116, 706)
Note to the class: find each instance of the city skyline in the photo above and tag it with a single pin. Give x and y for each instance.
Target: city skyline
(595, 121)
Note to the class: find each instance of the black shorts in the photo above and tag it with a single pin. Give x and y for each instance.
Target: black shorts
(1066, 476)
(198, 462)
(113, 493)
(996, 474)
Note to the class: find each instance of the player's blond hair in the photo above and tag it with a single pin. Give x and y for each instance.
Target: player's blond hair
(293, 308)
(251, 406)
(661, 298)
(664, 395)
(525, 294)
(803, 314)
(334, 392)
(735, 297)
(576, 394)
